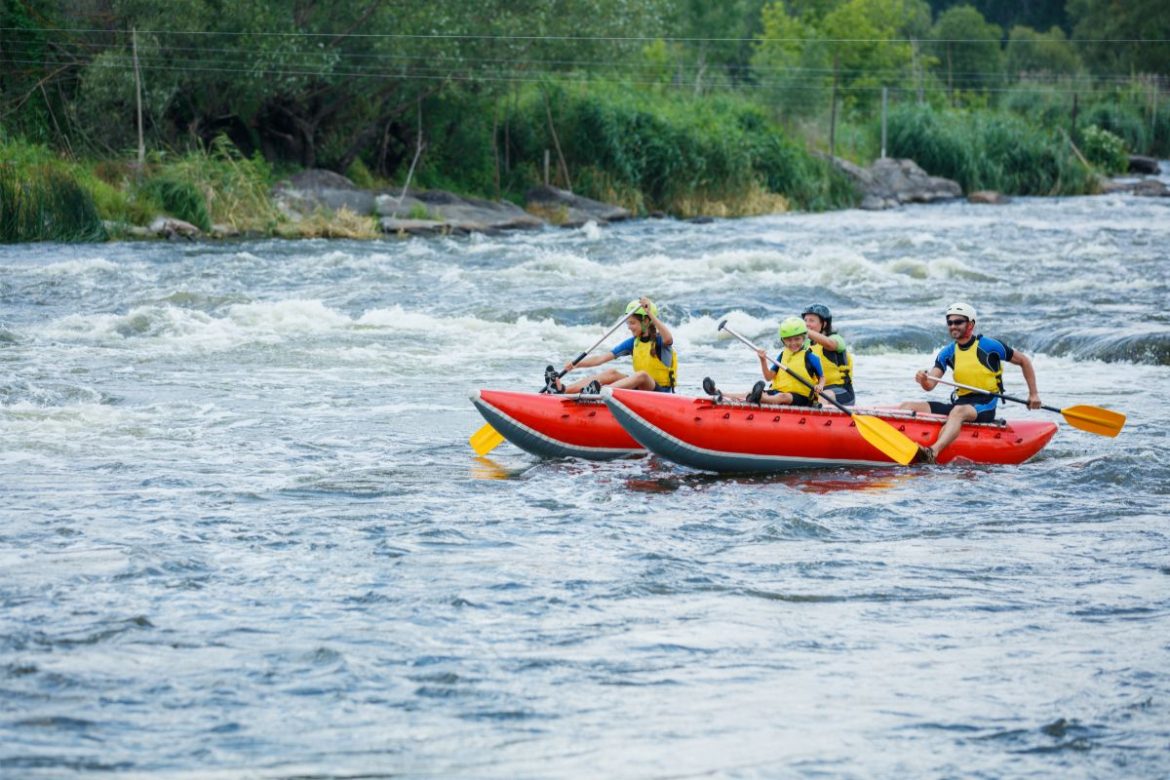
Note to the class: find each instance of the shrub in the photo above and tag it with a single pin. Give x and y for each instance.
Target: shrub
(652, 151)
(45, 203)
(180, 199)
(1104, 149)
(988, 150)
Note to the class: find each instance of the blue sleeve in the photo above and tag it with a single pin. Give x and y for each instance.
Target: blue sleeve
(990, 345)
(945, 357)
(776, 364)
(625, 348)
(815, 363)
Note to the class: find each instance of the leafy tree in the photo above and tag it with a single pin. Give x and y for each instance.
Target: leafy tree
(1038, 14)
(968, 52)
(1117, 37)
(1034, 52)
(714, 51)
(791, 62)
(871, 49)
(862, 44)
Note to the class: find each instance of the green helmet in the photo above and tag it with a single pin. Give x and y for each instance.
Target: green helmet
(635, 307)
(792, 326)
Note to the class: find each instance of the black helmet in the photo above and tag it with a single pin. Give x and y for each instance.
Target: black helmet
(820, 310)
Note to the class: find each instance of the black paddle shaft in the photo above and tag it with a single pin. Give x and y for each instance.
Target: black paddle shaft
(581, 357)
(990, 392)
(576, 360)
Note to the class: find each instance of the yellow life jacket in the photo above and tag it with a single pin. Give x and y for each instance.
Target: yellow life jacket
(797, 363)
(836, 363)
(645, 360)
(971, 368)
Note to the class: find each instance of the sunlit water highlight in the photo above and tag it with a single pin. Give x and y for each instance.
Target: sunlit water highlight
(244, 534)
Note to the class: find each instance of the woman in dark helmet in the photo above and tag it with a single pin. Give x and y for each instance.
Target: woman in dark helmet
(836, 357)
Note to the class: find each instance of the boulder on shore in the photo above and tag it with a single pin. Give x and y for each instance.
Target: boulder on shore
(988, 197)
(436, 212)
(889, 183)
(1144, 165)
(439, 212)
(563, 208)
(172, 228)
(316, 189)
(1151, 188)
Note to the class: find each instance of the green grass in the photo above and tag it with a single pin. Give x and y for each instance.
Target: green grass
(659, 151)
(42, 201)
(989, 150)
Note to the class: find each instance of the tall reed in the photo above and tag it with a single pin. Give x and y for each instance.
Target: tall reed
(39, 202)
(989, 150)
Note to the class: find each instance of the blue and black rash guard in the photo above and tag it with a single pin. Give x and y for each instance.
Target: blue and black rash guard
(655, 358)
(978, 363)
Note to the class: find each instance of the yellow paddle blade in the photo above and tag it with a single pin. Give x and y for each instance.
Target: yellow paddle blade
(895, 444)
(1094, 419)
(485, 440)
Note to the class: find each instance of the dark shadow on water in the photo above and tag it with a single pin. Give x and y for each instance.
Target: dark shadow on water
(816, 481)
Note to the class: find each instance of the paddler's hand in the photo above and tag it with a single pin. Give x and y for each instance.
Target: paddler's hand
(1034, 401)
(763, 355)
(644, 302)
(569, 367)
(928, 383)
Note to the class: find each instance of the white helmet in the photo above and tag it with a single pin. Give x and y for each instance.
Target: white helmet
(962, 309)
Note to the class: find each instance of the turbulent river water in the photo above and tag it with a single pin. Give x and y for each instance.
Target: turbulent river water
(243, 533)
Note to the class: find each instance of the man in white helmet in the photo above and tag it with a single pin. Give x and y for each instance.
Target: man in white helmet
(976, 360)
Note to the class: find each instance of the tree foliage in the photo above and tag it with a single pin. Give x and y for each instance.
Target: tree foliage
(370, 85)
(1118, 37)
(1030, 53)
(968, 50)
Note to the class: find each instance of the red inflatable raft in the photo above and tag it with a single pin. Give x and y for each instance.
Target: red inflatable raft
(732, 436)
(556, 426)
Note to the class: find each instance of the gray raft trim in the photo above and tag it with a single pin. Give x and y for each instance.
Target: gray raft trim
(531, 440)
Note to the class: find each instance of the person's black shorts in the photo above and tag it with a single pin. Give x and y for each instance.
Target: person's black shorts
(843, 395)
(797, 400)
(984, 404)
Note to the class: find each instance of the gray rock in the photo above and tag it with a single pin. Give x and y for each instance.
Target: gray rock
(317, 179)
(451, 214)
(1151, 188)
(1140, 164)
(988, 197)
(1114, 186)
(225, 231)
(411, 227)
(311, 190)
(171, 228)
(437, 212)
(889, 183)
(561, 207)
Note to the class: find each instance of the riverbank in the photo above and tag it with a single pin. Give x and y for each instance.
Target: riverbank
(222, 195)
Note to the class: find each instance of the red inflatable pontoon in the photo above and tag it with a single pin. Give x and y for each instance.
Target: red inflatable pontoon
(556, 426)
(733, 436)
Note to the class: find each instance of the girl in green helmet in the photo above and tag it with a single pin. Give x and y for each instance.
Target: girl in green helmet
(651, 346)
(797, 360)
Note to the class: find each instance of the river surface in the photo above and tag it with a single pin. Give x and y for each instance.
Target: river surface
(243, 534)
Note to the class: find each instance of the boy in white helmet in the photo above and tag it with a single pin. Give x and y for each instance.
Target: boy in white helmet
(976, 360)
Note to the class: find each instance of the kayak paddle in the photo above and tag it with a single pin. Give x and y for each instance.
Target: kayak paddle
(488, 438)
(893, 443)
(1094, 419)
